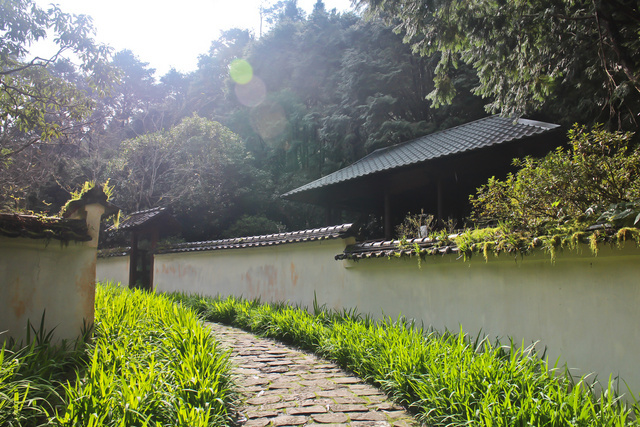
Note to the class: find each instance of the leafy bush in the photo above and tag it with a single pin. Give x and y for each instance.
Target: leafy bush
(418, 225)
(599, 169)
(448, 379)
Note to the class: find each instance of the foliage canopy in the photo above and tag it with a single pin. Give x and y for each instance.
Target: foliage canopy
(199, 168)
(581, 54)
(42, 99)
(599, 168)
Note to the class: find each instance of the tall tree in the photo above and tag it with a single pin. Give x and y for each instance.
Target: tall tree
(580, 58)
(199, 168)
(37, 104)
(209, 87)
(45, 101)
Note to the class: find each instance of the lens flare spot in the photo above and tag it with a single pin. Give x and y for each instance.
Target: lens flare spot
(241, 71)
(269, 120)
(251, 94)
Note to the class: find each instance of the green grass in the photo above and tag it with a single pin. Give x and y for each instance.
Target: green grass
(32, 376)
(151, 363)
(447, 379)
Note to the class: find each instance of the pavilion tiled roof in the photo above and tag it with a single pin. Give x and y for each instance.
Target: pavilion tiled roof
(478, 134)
(140, 218)
(324, 233)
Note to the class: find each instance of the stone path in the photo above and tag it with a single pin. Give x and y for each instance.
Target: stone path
(286, 387)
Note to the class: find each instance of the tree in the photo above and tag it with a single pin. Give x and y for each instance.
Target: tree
(199, 168)
(45, 102)
(208, 91)
(38, 104)
(133, 95)
(579, 57)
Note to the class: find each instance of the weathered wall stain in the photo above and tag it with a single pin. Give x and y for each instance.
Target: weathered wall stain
(86, 289)
(262, 282)
(179, 271)
(19, 299)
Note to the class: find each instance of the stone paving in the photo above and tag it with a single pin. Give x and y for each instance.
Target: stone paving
(282, 386)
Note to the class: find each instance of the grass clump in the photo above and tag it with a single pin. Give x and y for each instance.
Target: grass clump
(33, 375)
(447, 379)
(153, 364)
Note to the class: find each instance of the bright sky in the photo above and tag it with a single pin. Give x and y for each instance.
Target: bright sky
(172, 34)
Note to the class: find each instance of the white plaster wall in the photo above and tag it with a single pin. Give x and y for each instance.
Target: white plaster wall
(584, 309)
(114, 269)
(289, 272)
(35, 276)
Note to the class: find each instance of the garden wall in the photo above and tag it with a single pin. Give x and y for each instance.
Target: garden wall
(584, 309)
(48, 268)
(113, 269)
(51, 278)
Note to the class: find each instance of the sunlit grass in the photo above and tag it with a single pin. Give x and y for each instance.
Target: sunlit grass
(448, 379)
(33, 374)
(151, 363)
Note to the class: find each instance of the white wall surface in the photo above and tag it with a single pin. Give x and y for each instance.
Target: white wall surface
(36, 276)
(289, 272)
(584, 309)
(113, 269)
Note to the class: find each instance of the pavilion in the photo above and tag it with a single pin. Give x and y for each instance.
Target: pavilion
(435, 173)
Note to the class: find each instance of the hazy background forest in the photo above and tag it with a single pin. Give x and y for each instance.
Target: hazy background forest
(313, 94)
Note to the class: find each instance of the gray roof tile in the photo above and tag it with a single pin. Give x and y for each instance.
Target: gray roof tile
(139, 218)
(470, 136)
(324, 233)
(388, 248)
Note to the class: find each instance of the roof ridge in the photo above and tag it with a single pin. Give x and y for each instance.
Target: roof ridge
(321, 233)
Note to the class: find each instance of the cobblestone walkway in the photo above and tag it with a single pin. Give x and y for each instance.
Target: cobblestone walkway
(286, 387)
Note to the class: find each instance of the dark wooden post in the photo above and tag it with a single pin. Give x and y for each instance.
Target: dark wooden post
(154, 244)
(440, 207)
(387, 215)
(133, 260)
(328, 215)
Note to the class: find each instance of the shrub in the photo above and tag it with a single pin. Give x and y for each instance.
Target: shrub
(599, 168)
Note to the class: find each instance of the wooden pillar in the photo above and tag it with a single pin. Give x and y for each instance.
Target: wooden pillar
(154, 244)
(387, 215)
(133, 260)
(328, 216)
(440, 207)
